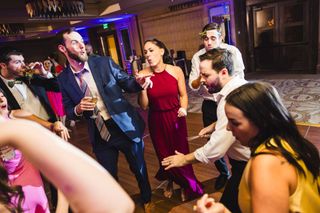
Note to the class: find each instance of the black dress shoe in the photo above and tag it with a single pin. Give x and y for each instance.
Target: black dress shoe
(221, 182)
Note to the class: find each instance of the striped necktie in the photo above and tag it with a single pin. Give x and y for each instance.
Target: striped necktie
(99, 121)
(83, 84)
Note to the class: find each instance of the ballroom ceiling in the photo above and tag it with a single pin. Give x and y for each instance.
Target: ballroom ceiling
(14, 12)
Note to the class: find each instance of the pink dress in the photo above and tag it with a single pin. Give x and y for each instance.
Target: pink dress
(55, 99)
(169, 132)
(22, 173)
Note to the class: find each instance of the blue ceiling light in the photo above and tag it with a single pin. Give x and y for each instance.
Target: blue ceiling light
(111, 19)
(80, 28)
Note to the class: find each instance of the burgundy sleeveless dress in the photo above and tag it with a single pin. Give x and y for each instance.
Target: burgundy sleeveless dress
(169, 132)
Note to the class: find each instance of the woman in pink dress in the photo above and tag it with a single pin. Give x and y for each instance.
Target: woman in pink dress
(167, 101)
(20, 171)
(55, 98)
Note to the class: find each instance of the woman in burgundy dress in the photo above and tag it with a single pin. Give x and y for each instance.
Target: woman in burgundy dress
(167, 101)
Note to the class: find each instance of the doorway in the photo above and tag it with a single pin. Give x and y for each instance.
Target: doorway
(281, 38)
(110, 46)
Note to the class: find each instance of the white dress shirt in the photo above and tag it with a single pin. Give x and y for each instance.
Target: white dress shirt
(238, 68)
(87, 76)
(26, 99)
(222, 141)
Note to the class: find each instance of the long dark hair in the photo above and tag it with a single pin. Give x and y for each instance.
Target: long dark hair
(166, 56)
(8, 192)
(262, 105)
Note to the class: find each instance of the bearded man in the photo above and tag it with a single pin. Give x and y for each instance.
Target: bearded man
(94, 85)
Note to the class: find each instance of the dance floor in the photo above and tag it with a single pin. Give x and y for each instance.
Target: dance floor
(205, 173)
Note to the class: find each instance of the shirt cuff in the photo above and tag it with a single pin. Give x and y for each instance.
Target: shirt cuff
(200, 156)
(48, 75)
(75, 112)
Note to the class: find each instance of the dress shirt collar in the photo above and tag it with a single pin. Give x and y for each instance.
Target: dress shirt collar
(11, 82)
(86, 66)
(226, 89)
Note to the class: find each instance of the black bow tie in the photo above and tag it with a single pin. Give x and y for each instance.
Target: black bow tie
(13, 82)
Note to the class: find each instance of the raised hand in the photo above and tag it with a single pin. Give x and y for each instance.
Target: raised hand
(144, 80)
(37, 68)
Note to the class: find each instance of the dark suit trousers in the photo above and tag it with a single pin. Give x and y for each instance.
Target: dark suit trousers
(209, 115)
(107, 154)
(230, 194)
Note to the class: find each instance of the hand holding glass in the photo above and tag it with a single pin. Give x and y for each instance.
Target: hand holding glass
(94, 100)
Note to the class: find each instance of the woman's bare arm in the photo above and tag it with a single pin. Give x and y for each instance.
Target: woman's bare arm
(87, 186)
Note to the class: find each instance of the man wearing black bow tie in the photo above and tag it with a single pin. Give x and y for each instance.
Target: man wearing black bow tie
(26, 93)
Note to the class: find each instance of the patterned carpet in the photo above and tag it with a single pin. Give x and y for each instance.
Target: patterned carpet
(300, 96)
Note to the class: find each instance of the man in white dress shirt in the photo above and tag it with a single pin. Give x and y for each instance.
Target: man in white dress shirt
(216, 68)
(212, 37)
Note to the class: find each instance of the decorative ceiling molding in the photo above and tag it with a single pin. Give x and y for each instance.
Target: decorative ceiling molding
(12, 30)
(54, 9)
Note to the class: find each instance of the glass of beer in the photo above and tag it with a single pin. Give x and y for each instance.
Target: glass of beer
(94, 99)
(28, 72)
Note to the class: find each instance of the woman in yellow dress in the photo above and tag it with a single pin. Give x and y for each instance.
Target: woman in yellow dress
(283, 172)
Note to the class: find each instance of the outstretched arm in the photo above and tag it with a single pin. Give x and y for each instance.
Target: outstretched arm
(87, 186)
(56, 127)
(178, 160)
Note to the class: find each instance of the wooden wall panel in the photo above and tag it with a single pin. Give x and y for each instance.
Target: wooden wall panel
(178, 31)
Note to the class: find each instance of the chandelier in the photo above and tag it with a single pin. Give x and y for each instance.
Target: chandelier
(11, 30)
(52, 9)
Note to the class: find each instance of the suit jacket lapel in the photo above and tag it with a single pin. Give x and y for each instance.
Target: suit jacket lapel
(72, 82)
(95, 72)
(11, 99)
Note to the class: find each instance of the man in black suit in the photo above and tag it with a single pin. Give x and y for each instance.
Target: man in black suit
(24, 93)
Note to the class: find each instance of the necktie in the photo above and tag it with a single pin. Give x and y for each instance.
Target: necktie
(83, 84)
(99, 121)
(12, 83)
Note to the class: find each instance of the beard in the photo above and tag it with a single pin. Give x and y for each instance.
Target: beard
(214, 87)
(213, 90)
(78, 58)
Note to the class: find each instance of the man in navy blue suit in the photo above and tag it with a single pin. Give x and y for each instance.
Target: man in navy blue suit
(86, 77)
